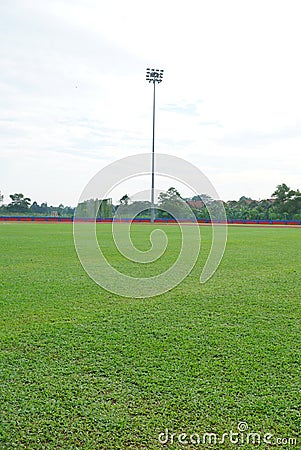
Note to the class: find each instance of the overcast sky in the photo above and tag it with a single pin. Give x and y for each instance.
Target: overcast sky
(73, 95)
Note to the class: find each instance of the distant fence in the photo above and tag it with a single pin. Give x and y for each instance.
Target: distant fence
(143, 220)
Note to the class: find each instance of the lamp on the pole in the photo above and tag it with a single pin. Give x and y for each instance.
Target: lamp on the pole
(153, 76)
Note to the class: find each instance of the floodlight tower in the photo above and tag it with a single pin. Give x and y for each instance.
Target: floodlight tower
(153, 76)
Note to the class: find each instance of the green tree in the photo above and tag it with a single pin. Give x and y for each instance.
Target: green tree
(287, 202)
(171, 200)
(124, 200)
(170, 195)
(205, 198)
(139, 209)
(19, 203)
(35, 208)
(282, 193)
(293, 205)
(44, 208)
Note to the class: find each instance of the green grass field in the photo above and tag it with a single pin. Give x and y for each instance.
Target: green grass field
(84, 369)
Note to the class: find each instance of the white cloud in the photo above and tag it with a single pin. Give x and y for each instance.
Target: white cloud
(74, 95)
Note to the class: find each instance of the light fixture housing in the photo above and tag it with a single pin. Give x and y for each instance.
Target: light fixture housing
(154, 75)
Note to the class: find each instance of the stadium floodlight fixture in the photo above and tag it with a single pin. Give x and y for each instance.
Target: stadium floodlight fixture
(153, 76)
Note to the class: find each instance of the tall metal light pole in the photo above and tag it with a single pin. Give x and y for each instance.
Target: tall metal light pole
(153, 76)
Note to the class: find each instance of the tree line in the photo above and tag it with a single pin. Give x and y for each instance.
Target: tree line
(284, 204)
(20, 204)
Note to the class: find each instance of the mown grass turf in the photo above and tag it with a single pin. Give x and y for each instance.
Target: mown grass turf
(83, 368)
